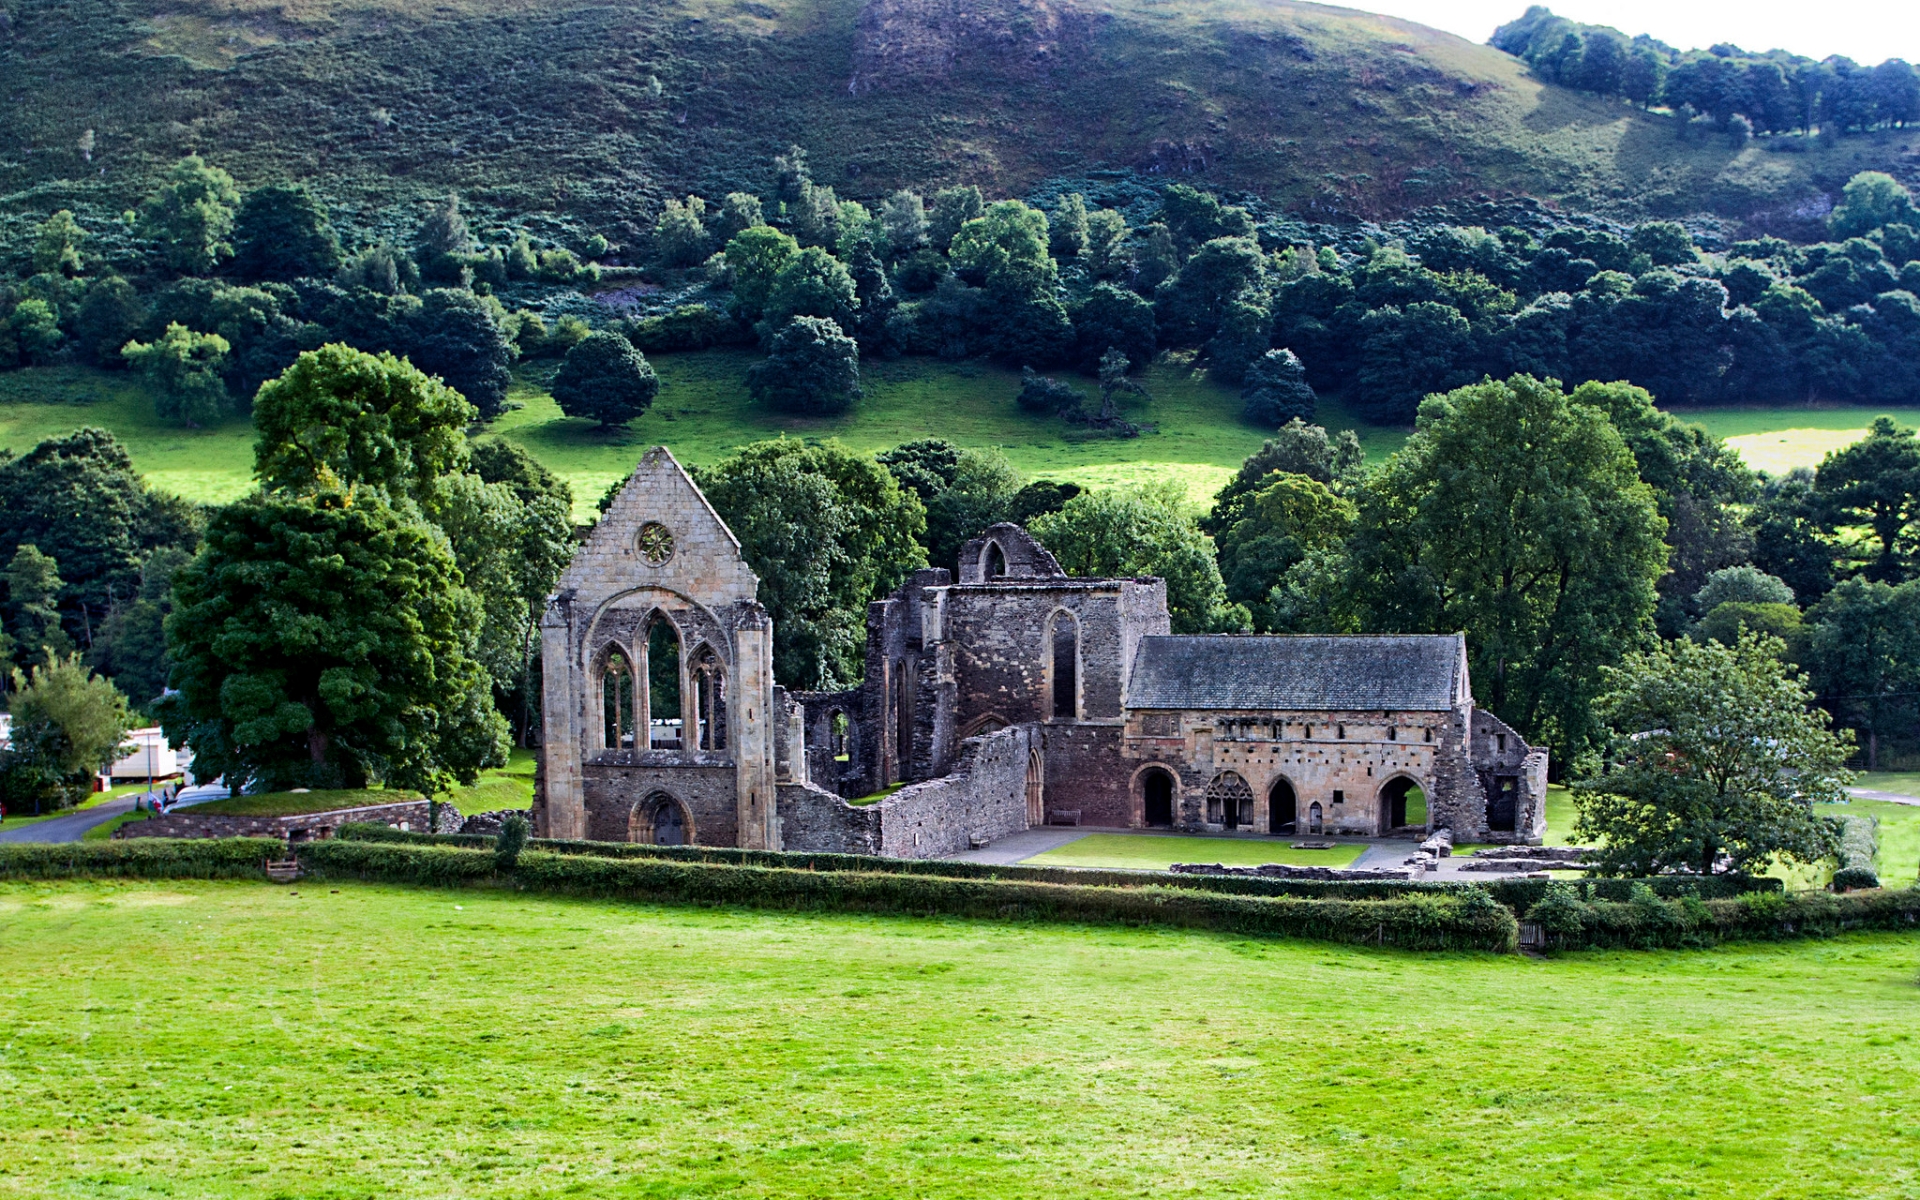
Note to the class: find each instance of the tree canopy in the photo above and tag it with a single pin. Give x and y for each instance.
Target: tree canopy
(605, 379)
(1144, 531)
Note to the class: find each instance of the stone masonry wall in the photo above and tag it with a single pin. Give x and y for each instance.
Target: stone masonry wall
(306, 827)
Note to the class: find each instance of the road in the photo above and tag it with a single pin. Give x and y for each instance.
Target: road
(74, 825)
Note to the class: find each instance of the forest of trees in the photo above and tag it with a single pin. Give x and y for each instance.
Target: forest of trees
(1734, 89)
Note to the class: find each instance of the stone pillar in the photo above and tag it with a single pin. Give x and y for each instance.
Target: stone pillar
(754, 725)
(565, 710)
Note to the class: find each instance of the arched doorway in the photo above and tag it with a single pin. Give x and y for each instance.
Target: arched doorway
(1282, 807)
(1313, 819)
(1036, 790)
(1229, 801)
(1402, 804)
(659, 820)
(1156, 793)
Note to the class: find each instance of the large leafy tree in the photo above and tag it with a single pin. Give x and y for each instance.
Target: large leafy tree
(1519, 517)
(33, 605)
(67, 723)
(191, 216)
(1289, 522)
(826, 530)
(1875, 484)
(1865, 654)
(964, 491)
(324, 640)
(78, 499)
(184, 368)
(1715, 760)
(340, 416)
(755, 257)
(813, 368)
(1144, 531)
(606, 379)
(456, 337)
(282, 232)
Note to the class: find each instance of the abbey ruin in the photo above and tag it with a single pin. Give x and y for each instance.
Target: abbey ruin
(999, 695)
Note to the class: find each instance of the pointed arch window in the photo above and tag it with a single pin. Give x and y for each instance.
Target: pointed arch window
(617, 696)
(663, 684)
(1064, 648)
(709, 680)
(994, 563)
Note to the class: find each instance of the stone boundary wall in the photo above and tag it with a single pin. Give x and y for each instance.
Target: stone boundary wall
(984, 796)
(305, 827)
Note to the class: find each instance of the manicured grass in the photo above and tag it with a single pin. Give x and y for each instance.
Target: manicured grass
(1904, 783)
(288, 804)
(1158, 851)
(510, 786)
(104, 831)
(198, 1039)
(1899, 859)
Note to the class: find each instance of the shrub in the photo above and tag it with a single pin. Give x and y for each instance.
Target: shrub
(604, 378)
(1040, 394)
(512, 840)
(154, 858)
(689, 327)
(1854, 879)
(1560, 913)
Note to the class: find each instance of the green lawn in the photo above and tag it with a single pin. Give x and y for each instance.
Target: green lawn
(1904, 783)
(510, 786)
(289, 804)
(704, 413)
(1158, 851)
(200, 1039)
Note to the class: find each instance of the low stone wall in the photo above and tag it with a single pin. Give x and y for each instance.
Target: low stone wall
(983, 797)
(1284, 871)
(306, 827)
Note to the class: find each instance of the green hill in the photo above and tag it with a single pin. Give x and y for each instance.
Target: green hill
(591, 112)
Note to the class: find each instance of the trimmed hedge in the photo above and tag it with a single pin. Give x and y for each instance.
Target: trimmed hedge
(153, 858)
(1411, 921)
(1517, 894)
(1522, 894)
(1647, 921)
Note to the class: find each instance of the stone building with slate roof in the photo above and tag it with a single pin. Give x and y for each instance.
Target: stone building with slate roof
(998, 695)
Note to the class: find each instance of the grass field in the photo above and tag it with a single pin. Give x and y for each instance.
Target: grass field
(188, 1039)
(704, 413)
(1158, 851)
(291, 804)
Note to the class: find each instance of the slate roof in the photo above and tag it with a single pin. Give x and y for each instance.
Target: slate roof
(1420, 672)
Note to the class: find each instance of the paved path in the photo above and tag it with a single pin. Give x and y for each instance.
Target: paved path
(1025, 844)
(1890, 797)
(74, 825)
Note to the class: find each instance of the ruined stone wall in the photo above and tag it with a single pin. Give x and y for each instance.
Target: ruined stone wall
(1344, 761)
(815, 820)
(1087, 777)
(186, 823)
(707, 796)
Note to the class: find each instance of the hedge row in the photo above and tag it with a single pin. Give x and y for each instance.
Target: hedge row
(1517, 894)
(160, 858)
(1646, 921)
(1466, 921)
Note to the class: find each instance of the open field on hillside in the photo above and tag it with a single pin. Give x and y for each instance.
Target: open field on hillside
(705, 413)
(236, 1039)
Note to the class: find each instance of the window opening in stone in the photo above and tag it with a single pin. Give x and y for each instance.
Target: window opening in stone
(709, 680)
(1157, 792)
(996, 562)
(1429, 733)
(902, 722)
(616, 700)
(1282, 807)
(1066, 667)
(1393, 733)
(654, 543)
(1403, 804)
(1500, 742)
(1503, 806)
(1229, 801)
(1309, 733)
(663, 684)
(838, 728)
(1339, 797)
(1314, 823)
(1340, 732)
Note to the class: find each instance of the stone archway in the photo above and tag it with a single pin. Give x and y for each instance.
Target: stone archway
(660, 820)
(1156, 798)
(1283, 808)
(1403, 804)
(1229, 801)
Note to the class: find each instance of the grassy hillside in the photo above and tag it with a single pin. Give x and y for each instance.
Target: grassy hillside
(235, 1039)
(704, 414)
(583, 114)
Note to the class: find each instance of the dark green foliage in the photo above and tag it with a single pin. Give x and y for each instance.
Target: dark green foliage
(1875, 483)
(497, 460)
(1288, 526)
(512, 840)
(1276, 390)
(1865, 657)
(813, 368)
(952, 208)
(324, 640)
(1561, 914)
(184, 369)
(1038, 498)
(79, 500)
(282, 232)
(340, 417)
(130, 646)
(1855, 879)
(107, 319)
(1666, 243)
(680, 237)
(811, 283)
(1191, 306)
(34, 590)
(689, 327)
(964, 491)
(191, 216)
(826, 530)
(442, 245)
(1244, 335)
(1547, 560)
(68, 723)
(1112, 318)
(1410, 354)
(1195, 217)
(605, 379)
(1148, 531)
(142, 858)
(456, 337)
(1041, 394)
